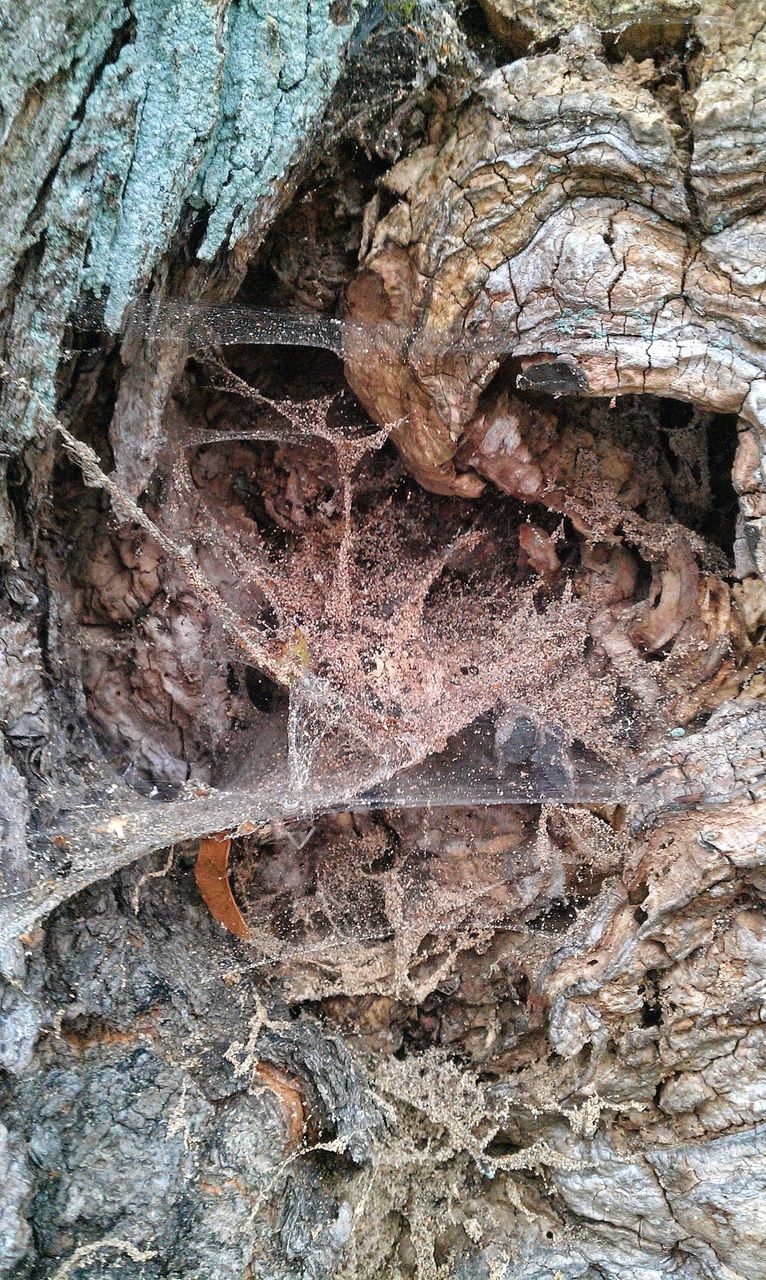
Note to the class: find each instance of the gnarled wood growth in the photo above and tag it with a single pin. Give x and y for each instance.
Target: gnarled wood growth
(561, 220)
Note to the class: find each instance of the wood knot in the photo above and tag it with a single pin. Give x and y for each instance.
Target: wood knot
(289, 1093)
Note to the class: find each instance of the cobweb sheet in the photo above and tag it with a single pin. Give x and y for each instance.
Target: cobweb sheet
(199, 327)
(396, 649)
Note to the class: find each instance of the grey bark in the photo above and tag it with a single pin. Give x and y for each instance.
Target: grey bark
(517, 1041)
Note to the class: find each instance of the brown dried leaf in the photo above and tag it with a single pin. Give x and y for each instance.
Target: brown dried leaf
(212, 875)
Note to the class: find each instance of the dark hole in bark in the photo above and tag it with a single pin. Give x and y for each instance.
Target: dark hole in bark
(556, 918)
(720, 525)
(658, 655)
(264, 693)
(697, 448)
(197, 225)
(664, 39)
(694, 449)
(651, 1009)
(675, 413)
(473, 22)
(551, 377)
(650, 1015)
(502, 1145)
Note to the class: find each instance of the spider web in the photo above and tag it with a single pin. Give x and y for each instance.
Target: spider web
(201, 327)
(374, 716)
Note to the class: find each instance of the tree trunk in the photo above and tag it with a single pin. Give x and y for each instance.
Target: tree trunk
(382, 774)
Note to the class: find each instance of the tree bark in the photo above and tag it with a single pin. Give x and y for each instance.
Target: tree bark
(382, 779)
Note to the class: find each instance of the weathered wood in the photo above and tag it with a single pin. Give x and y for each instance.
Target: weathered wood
(522, 1040)
(563, 210)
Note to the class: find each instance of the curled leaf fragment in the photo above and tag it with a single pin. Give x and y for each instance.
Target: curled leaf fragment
(212, 875)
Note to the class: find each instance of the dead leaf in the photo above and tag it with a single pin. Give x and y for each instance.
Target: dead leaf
(212, 875)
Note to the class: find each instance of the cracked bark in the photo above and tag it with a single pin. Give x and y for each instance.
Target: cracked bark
(475, 1041)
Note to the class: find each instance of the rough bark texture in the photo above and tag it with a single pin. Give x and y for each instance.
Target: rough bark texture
(460, 1040)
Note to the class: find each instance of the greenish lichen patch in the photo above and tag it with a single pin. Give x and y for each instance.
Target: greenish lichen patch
(142, 114)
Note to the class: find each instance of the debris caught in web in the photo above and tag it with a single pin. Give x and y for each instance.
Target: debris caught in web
(343, 640)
